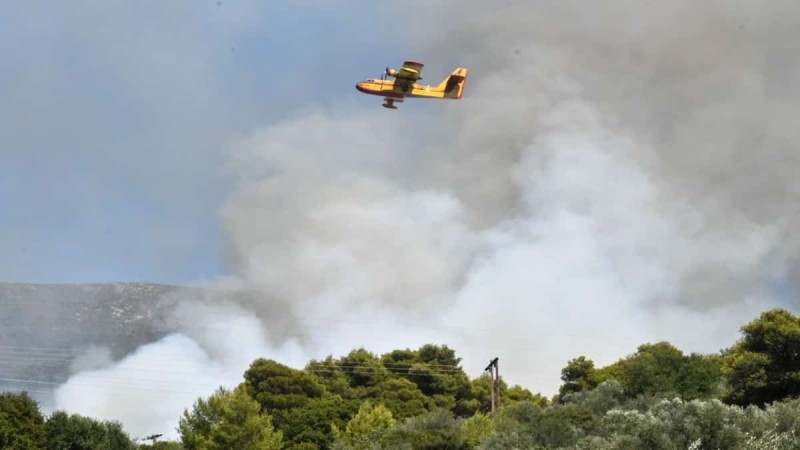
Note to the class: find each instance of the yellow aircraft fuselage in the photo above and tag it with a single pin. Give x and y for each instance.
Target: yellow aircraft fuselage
(391, 88)
(402, 86)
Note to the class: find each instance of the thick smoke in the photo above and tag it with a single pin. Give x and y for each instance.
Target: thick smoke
(149, 389)
(616, 174)
(706, 91)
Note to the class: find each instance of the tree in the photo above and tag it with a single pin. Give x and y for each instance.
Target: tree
(362, 368)
(517, 393)
(436, 355)
(578, 375)
(435, 430)
(312, 424)
(228, 420)
(359, 375)
(330, 374)
(699, 377)
(434, 369)
(21, 423)
(606, 396)
(280, 389)
(75, 432)
(301, 406)
(528, 425)
(366, 427)
(402, 397)
(764, 366)
(654, 369)
(478, 398)
(476, 428)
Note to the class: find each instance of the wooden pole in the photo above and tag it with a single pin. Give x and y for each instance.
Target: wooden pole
(491, 389)
(494, 388)
(497, 384)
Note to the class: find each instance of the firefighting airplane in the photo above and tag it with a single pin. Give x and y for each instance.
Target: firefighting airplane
(404, 85)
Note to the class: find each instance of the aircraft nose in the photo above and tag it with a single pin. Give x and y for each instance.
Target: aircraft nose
(360, 86)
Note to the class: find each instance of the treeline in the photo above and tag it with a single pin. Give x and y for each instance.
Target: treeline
(745, 398)
(23, 427)
(307, 407)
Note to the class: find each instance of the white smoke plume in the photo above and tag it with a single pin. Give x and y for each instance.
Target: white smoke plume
(617, 173)
(149, 389)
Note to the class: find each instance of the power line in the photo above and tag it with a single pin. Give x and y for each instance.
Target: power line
(314, 366)
(24, 390)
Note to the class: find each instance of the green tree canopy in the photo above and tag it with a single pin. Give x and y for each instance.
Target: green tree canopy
(228, 420)
(578, 375)
(531, 426)
(402, 397)
(434, 370)
(350, 376)
(363, 369)
(653, 369)
(366, 427)
(313, 423)
(280, 389)
(478, 398)
(408, 382)
(21, 422)
(477, 428)
(764, 366)
(435, 430)
(74, 432)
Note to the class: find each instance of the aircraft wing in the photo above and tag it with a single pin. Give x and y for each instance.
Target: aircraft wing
(411, 71)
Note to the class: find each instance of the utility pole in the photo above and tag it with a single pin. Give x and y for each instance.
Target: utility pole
(494, 375)
(153, 438)
(497, 384)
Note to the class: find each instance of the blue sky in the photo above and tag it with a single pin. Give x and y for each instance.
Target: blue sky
(116, 115)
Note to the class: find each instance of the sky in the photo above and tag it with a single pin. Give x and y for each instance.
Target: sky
(115, 118)
(615, 174)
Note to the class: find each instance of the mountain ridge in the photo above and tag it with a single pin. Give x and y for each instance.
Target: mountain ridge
(44, 327)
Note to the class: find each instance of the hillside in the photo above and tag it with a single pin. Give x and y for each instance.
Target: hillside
(43, 327)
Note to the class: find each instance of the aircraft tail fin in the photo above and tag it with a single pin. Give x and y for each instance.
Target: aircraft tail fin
(453, 86)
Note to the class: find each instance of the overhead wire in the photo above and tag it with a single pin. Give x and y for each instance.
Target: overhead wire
(134, 383)
(19, 356)
(286, 317)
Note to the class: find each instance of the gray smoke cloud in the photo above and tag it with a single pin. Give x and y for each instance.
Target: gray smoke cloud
(707, 92)
(212, 345)
(616, 174)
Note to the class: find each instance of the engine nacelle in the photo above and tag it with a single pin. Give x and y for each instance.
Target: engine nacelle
(391, 72)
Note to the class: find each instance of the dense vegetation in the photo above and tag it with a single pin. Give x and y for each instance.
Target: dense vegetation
(22, 427)
(656, 398)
